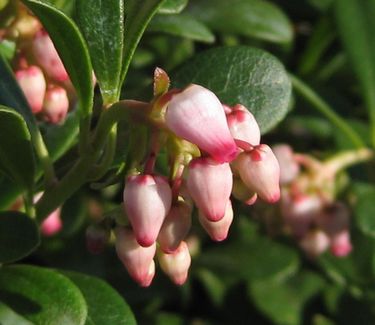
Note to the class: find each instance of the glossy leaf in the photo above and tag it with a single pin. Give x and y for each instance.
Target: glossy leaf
(138, 15)
(283, 301)
(356, 28)
(172, 6)
(182, 25)
(253, 258)
(66, 6)
(252, 18)
(105, 305)
(42, 296)
(16, 152)
(19, 236)
(72, 49)
(102, 25)
(244, 75)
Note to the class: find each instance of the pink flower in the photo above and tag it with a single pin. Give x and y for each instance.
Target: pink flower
(300, 211)
(243, 126)
(210, 185)
(260, 172)
(52, 224)
(218, 230)
(341, 245)
(47, 57)
(289, 168)
(196, 115)
(147, 201)
(176, 265)
(56, 105)
(175, 227)
(31, 81)
(137, 260)
(314, 243)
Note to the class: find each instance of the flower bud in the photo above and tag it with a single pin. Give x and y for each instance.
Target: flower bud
(97, 237)
(52, 224)
(175, 227)
(314, 243)
(341, 245)
(147, 201)
(210, 185)
(47, 57)
(243, 126)
(300, 211)
(289, 168)
(260, 172)
(31, 81)
(137, 260)
(196, 115)
(55, 105)
(176, 265)
(218, 230)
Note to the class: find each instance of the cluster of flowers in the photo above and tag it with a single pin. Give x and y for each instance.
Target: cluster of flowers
(38, 68)
(307, 205)
(230, 160)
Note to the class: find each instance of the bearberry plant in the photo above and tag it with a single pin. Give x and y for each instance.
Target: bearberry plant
(137, 135)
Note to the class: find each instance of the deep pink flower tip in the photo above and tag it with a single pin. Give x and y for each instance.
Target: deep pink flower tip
(144, 240)
(341, 250)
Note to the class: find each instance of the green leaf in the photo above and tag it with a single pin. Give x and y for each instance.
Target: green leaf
(172, 6)
(244, 75)
(7, 49)
(72, 50)
(365, 209)
(19, 236)
(42, 296)
(182, 25)
(252, 18)
(283, 302)
(102, 24)
(138, 15)
(356, 28)
(16, 152)
(256, 259)
(66, 6)
(105, 305)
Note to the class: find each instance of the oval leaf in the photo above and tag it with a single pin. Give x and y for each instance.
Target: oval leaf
(105, 305)
(138, 15)
(72, 50)
(182, 25)
(356, 27)
(102, 24)
(42, 296)
(252, 18)
(244, 75)
(19, 236)
(16, 152)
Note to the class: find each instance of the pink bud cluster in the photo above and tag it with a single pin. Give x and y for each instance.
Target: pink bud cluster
(315, 220)
(159, 210)
(39, 70)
